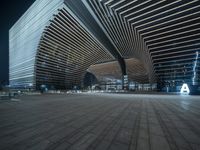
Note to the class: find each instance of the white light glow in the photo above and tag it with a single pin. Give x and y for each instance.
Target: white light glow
(185, 89)
(194, 68)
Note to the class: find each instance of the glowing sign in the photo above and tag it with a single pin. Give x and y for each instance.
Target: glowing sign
(185, 89)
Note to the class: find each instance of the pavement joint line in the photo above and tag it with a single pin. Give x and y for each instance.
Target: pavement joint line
(110, 119)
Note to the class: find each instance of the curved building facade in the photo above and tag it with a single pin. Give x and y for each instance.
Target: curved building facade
(48, 46)
(55, 42)
(24, 39)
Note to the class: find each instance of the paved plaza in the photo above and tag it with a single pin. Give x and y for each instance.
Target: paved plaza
(100, 122)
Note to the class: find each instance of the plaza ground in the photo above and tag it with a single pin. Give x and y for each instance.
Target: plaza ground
(100, 122)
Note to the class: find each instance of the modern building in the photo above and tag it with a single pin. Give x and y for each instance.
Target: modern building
(56, 42)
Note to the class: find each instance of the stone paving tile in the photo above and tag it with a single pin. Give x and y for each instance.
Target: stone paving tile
(101, 122)
(158, 143)
(102, 145)
(118, 146)
(62, 146)
(83, 142)
(124, 136)
(143, 144)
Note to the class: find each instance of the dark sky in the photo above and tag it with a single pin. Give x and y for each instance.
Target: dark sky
(10, 12)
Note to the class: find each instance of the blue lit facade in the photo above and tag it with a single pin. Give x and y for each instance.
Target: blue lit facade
(24, 38)
(50, 47)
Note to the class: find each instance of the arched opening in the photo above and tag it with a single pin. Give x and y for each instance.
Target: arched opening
(65, 52)
(109, 75)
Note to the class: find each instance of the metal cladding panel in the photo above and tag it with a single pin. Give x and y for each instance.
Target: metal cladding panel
(90, 22)
(164, 35)
(24, 38)
(120, 32)
(79, 9)
(65, 52)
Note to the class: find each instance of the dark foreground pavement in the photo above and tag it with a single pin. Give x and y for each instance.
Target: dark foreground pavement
(100, 122)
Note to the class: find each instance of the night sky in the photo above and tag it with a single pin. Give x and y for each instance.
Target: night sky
(10, 12)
